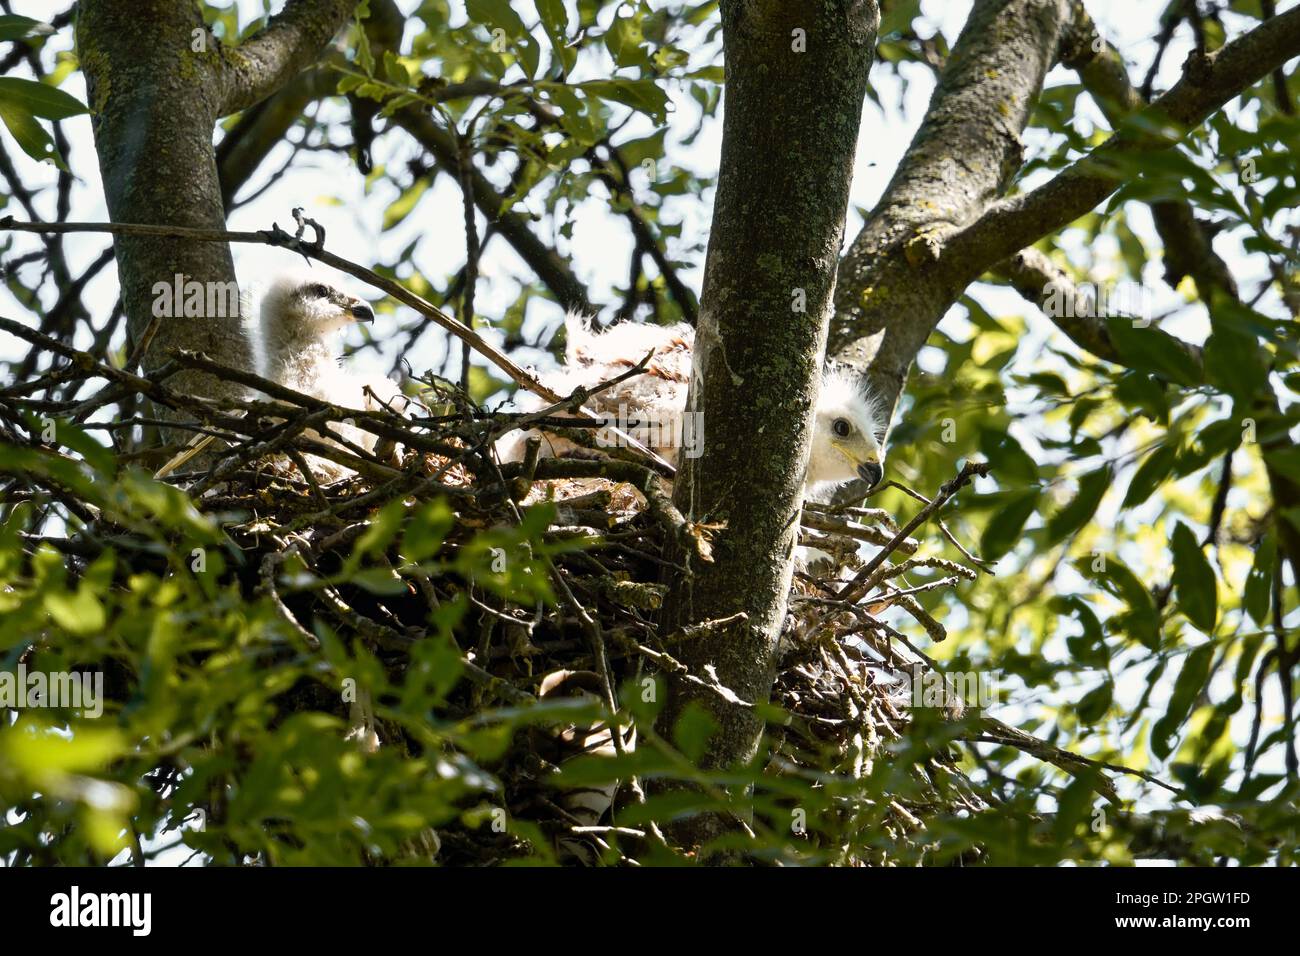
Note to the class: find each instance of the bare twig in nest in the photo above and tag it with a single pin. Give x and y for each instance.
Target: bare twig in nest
(275, 236)
(852, 529)
(854, 589)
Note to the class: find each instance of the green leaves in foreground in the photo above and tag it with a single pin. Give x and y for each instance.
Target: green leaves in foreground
(1194, 582)
(13, 27)
(22, 101)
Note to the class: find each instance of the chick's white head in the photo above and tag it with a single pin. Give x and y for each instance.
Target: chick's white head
(848, 431)
(302, 308)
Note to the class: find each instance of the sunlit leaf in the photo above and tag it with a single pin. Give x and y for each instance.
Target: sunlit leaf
(1194, 581)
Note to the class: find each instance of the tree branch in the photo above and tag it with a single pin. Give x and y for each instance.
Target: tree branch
(287, 44)
(963, 156)
(261, 128)
(1035, 276)
(1209, 81)
(550, 267)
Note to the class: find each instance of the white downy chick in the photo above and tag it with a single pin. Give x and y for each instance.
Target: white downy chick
(302, 320)
(847, 431)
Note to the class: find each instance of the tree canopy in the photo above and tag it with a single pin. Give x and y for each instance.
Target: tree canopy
(1071, 276)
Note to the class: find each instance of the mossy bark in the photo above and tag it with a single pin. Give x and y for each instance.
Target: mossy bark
(155, 103)
(158, 81)
(796, 77)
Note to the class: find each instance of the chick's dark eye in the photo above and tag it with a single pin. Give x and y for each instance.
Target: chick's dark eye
(841, 428)
(320, 291)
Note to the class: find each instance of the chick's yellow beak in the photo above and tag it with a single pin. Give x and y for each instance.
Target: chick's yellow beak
(867, 466)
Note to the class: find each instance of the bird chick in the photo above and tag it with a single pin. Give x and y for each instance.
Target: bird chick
(298, 338)
(301, 323)
(301, 326)
(847, 430)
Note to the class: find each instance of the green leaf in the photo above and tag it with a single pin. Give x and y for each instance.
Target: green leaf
(1150, 474)
(1088, 647)
(1005, 527)
(1006, 456)
(1194, 581)
(1141, 620)
(1284, 460)
(1259, 582)
(13, 27)
(1210, 442)
(1048, 382)
(1196, 669)
(1093, 705)
(1152, 350)
(39, 99)
(426, 530)
(365, 56)
(379, 581)
(1233, 363)
(500, 15)
(96, 455)
(1145, 393)
(44, 754)
(643, 95)
(170, 507)
(77, 612)
(555, 21)
(625, 42)
(401, 207)
(694, 728)
(395, 70)
(899, 16)
(30, 135)
(383, 527)
(1080, 412)
(349, 82)
(496, 13)
(1076, 514)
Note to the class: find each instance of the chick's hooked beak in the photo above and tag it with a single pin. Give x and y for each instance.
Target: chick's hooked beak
(871, 472)
(360, 310)
(864, 462)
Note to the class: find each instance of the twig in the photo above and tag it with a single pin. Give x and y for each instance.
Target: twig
(314, 250)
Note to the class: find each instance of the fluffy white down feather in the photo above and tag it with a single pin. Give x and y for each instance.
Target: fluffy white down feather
(302, 321)
(594, 357)
(659, 396)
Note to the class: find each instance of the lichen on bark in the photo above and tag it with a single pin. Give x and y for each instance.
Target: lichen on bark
(795, 84)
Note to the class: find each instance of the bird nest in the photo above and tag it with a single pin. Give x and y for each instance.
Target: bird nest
(556, 568)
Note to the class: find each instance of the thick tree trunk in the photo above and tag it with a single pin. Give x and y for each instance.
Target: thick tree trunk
(796, 77)
(154, 103)
(158, 81)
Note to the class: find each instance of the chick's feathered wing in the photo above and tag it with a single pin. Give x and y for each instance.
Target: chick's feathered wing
(649, 406)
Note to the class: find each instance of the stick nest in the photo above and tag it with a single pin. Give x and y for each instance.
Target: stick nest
(556, 568)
